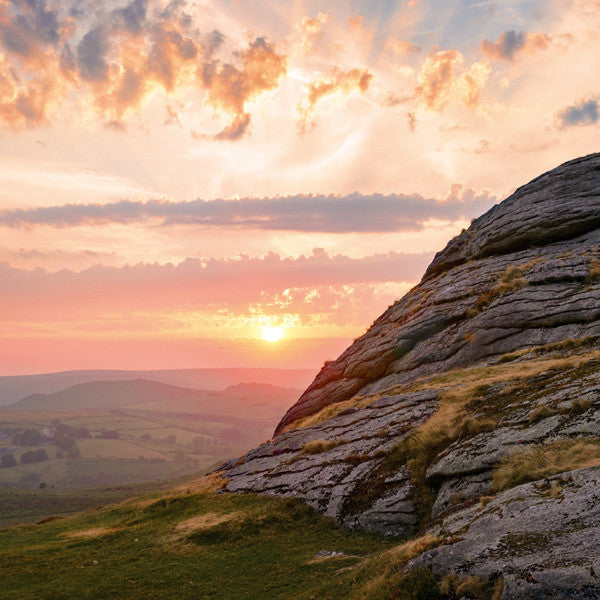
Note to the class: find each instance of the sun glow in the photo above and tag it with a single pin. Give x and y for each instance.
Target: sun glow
(272, 334)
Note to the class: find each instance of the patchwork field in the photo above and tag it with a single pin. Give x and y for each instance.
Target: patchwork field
(107, 433)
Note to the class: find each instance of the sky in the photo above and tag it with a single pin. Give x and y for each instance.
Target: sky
(251, 183)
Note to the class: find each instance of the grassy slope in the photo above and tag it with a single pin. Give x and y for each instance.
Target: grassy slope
(263, 548)
(30, 506)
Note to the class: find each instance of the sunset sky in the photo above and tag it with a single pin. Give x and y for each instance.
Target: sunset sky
(185, 182)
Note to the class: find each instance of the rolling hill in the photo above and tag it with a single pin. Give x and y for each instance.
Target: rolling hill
(243, 400)
(16, 387)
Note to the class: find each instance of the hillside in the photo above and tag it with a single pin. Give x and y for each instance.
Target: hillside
(470, 409)
(13, 388)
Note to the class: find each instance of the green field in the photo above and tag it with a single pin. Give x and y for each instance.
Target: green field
(162, 432)
(191, 546)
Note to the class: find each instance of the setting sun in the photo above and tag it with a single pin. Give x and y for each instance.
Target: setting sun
(272, 334)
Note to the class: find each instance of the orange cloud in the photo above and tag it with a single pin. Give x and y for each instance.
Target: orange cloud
(356, 21)
(228, 87)
(311, 30)
(336, 81)
(441, 80)
(24, 102)
(402, 48)
(511, 43)
(126, 55)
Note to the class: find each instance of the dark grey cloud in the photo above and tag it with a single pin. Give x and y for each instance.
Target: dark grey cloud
(510, 43)
(33, 24)
(585, 112)
(507, 45)
(91, 54)
(131, 17)
(309, 213)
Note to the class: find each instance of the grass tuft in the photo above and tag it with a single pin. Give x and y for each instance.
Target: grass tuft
(542, 461)
(318, 446)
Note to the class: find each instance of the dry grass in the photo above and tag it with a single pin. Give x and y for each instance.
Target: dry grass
(539, 413)
(542, 461)
(318, 446)
(467, 380)
(462, 382)
(595, 269)
(208, 484)
(509, 281)
(468, 587)
(205, 521)
(94, 532)
(331, 411)
(383, 572)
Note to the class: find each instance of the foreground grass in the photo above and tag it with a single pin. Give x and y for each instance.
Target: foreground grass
(195, 545)
(30, 506)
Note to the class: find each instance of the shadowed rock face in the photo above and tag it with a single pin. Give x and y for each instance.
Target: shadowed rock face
(484, 376)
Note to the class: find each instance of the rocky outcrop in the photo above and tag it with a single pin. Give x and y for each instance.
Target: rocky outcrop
(486, 375)
(548, 229)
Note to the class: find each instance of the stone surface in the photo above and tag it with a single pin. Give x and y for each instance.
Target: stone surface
(542, 537)
(503, 334)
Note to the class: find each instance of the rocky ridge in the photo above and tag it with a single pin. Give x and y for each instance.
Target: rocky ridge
(471, 408)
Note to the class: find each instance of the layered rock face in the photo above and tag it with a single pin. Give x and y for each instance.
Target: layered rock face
(471, 407)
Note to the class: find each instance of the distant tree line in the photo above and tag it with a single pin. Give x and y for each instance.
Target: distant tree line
(29, 457)
(28, 437)
(34, 456)
(78, 433)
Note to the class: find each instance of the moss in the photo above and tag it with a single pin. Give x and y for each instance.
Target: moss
(594, 272)
(525, 543)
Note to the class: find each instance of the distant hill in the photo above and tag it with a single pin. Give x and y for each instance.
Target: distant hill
(242, 400)
(13, 388)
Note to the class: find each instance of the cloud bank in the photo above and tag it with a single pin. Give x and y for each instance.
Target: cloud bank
(306, 213)
(193, 283)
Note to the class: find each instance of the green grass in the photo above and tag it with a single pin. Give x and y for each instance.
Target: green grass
(30, 506)
(142, 550)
